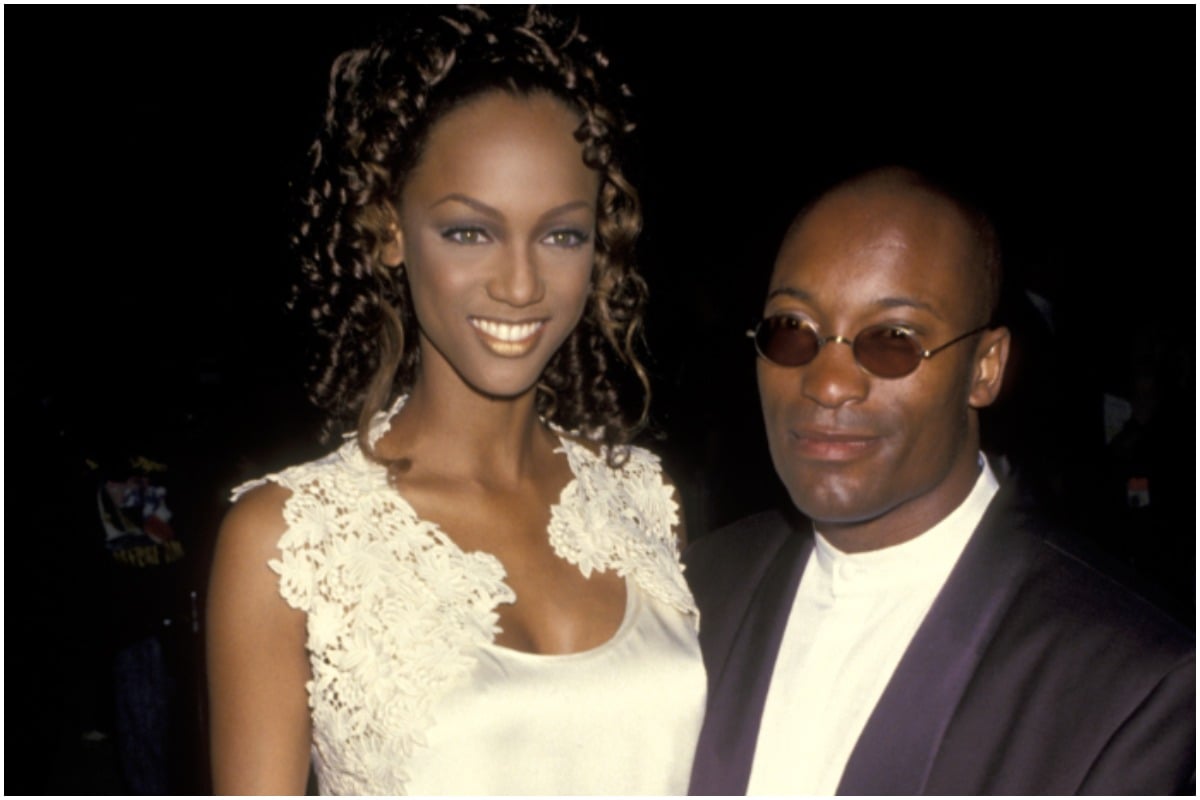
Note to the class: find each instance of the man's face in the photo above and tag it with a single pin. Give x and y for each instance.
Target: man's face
(853, 448)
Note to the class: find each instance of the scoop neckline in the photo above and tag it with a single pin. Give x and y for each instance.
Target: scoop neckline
(568, 448)
(632, 609)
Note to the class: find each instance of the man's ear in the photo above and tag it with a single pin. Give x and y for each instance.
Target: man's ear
(987, 376)
(391, 252)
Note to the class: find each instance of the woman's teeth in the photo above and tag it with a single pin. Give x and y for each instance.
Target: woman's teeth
(505, 331)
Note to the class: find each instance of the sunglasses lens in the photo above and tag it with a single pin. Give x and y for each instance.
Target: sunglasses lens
(887, 352)
(786, 341)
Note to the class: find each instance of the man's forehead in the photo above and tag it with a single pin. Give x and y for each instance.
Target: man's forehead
(883, 246)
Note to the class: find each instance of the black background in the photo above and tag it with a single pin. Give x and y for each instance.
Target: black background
(151, 155)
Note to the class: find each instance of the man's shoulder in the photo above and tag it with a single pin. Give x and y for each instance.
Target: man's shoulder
(1079, 681)
(730, 562)
(742, 545)
(1075, 599)
(1081, 591)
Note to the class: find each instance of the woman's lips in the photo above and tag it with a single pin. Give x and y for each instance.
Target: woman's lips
(831, 445)
(508, 339)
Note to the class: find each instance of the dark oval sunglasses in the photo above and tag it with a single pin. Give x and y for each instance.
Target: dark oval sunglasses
(886, 351)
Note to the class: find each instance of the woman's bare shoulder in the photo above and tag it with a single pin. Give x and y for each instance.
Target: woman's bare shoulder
(256, 522)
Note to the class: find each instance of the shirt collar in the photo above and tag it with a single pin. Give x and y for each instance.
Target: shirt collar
(923, 558)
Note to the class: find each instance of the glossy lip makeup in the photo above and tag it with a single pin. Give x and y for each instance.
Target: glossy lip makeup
(508, 339)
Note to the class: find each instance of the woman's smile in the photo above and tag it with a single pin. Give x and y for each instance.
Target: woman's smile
(508, 339)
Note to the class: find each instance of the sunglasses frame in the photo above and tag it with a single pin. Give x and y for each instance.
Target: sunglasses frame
(922, 354)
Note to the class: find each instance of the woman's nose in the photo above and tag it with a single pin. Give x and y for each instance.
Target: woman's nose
(517, 281)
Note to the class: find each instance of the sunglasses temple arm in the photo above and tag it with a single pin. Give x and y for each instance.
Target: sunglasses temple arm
(955, 340)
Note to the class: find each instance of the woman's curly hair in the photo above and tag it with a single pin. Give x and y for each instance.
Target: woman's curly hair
(383, 101)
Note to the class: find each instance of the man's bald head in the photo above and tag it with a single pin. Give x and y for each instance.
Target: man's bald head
(984, 258)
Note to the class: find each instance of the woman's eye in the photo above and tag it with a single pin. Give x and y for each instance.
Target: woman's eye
(566, 237)
(466, 235)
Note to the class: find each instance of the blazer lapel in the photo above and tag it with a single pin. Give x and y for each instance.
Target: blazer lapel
(897, 747)
(725, 752)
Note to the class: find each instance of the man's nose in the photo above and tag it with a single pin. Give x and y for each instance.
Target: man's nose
(517, 280)
(834, 377)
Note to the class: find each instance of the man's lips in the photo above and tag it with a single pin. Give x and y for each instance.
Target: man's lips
(831, 444)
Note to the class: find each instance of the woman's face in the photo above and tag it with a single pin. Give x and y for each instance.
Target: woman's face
(497, 234)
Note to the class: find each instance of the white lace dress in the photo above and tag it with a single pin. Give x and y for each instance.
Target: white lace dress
(409, 692)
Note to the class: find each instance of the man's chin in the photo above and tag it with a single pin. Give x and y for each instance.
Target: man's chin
(831, 505)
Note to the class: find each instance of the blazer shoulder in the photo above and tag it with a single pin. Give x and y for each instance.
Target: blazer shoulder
(1091, 596)
(731, 560)
(749, 542)
(1083, 686)
(1071, 588)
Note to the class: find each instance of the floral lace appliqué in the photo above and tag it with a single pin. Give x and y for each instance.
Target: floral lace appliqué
(622, 520)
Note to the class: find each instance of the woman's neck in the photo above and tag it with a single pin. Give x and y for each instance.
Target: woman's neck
(458, 431)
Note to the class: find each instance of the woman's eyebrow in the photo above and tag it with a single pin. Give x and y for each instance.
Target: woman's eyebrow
(484, 208)
(470, 202)
(571, 206)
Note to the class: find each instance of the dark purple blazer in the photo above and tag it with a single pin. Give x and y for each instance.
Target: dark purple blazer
(1033, 673)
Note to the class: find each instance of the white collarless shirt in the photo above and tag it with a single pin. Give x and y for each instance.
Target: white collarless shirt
(853, 617)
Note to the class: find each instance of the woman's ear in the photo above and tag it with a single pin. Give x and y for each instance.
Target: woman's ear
(991, 354)
(391, 253)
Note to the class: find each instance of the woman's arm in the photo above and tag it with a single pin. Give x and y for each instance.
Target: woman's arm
(257, 665)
